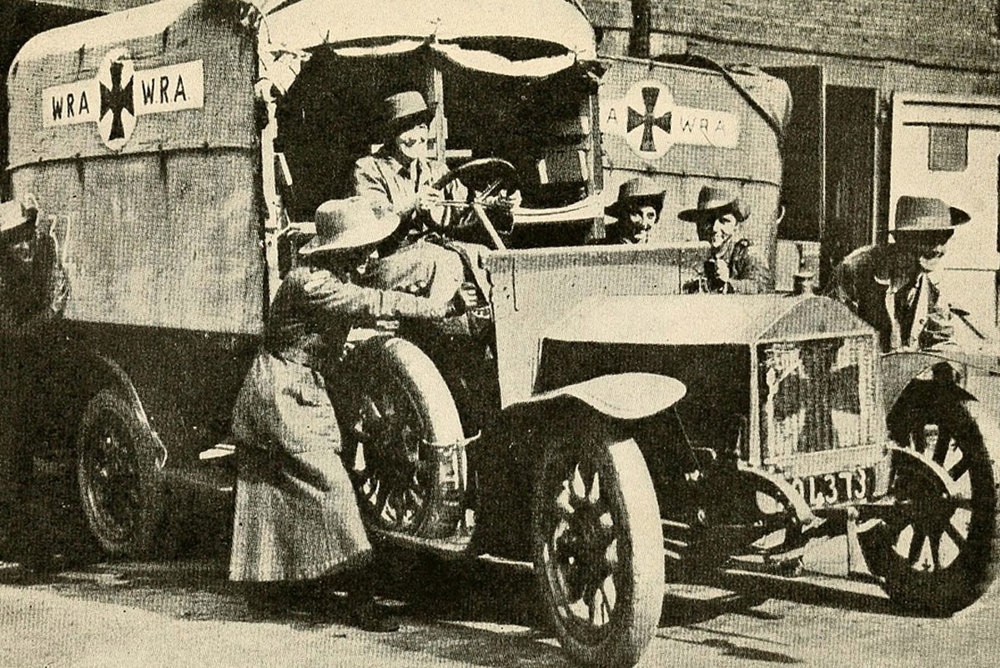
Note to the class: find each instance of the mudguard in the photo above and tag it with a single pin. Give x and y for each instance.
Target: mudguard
(620, 396)
(899, 369)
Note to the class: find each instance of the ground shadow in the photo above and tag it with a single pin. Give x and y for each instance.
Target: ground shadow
(481, 613)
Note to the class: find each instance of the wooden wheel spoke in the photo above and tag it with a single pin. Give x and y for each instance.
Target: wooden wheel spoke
(934, 541)
(577, 485)
(610, 596)
(607, 524)
(381, 498)
(594, 495)
(593, 607)
(959, 468)
(918, 438)
(942, 444)
(955, 535)
(611, 556)
(562, 501)
(916, 545)
(961, 502)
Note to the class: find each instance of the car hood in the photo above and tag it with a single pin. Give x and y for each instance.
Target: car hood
(703, 319)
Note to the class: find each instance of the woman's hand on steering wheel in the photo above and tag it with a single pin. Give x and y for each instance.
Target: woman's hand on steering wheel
(491, 179)
(502, 200)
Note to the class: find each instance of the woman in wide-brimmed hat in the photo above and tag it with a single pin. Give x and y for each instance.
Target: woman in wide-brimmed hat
(894, 287)
(635, 211)
(733, 265)
(296, 515)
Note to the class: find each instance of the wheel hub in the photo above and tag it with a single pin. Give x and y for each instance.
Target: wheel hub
(583, 546)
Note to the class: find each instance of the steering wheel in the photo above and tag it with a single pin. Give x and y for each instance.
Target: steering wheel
(485, 177)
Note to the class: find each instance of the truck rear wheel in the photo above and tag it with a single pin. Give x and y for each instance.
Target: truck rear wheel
(120, 483)
(598, 549)
(938, 547)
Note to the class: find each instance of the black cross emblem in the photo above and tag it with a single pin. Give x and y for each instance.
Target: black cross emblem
(817, 391)
(116, 100)
(647, 120)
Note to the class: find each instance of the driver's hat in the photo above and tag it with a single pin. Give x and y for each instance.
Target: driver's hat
(404, 110)
(343, 224)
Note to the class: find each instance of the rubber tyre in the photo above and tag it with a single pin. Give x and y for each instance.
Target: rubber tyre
(625, 491)
(952, 586)
(395, 368)
(121, 487)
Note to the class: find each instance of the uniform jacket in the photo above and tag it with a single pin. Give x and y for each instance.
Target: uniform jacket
(748, 274)
(384, 181)
(880, 285)
(315, 309)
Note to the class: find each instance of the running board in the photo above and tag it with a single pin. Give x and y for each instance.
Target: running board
(450, 548)
(219, 451)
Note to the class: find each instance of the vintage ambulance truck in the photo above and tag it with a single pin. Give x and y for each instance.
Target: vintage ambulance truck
(590, 418)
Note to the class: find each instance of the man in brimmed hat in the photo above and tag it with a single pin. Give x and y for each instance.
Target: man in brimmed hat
(398, 182)
(297, 518)
(33, 292)
(895, 287)
(733, 265)
(635, 211)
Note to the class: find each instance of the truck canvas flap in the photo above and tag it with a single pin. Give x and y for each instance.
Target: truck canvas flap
(525, 38)
(468, 32)
(137, 133)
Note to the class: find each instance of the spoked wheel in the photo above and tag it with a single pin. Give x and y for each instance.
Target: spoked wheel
(401, 407)
(938, 546)
(598, 550)
(119, 480)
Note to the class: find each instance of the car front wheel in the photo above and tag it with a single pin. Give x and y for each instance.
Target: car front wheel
(598, 549)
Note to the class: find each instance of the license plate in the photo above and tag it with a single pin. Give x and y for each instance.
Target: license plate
(830, 489)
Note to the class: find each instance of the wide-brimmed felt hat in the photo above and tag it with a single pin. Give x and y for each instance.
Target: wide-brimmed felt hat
(713, 202)
(638, 191)
(347, 223)
(17, 219)
(926, 214)
(403, 110)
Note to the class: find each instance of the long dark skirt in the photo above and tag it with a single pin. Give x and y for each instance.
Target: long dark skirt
(296, 513)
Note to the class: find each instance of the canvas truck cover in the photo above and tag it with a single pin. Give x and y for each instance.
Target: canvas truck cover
(523, 38)
(686, 126)
(479, 34)
(137, 133)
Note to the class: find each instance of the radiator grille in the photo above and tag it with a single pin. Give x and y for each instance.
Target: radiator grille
(817, 395)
